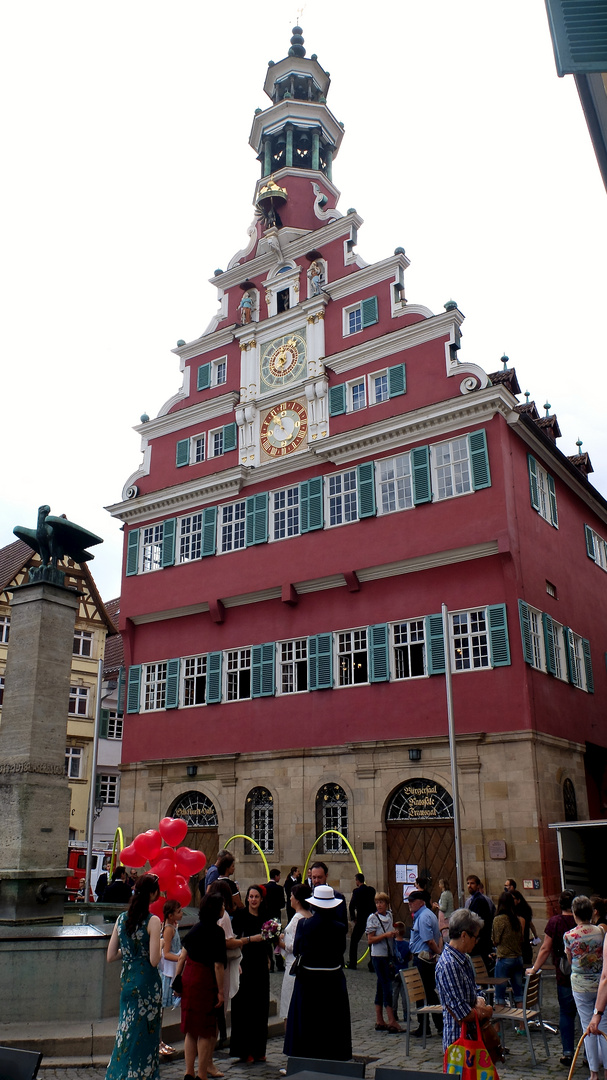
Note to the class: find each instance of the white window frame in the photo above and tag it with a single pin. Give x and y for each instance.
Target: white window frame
(1, 690)
(340, 498)
(151, 548)
(154, 686)
(372, 395)
(79, 696)
(5, 629)
(108, 785)
(192, 539)
(543, 493)
(347, 646)
(576, 658)
(241, 521)
(74, 756)
(347, 332)
(115, 725)
(82, 637)
(353, 405)
(415, 636)
(237, 662)
(473, 637)
(292, 658)
(195, 442)
(600, 551)
(401, 487)
(216, 370)
(560, 658)
(290, 512)
(450, 468)
(538, 644)
(193, 669)
(214, 434)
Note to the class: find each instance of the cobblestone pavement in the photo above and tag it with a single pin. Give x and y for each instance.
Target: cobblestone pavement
(377, 1048)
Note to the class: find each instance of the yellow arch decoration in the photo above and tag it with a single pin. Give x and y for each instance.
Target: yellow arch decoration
(118, 835)
(352, 853)
(242, 836)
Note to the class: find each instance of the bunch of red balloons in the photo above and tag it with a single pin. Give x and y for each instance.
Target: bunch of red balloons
(173, 864)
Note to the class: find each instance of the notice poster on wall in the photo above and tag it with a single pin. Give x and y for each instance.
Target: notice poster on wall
(406, 874)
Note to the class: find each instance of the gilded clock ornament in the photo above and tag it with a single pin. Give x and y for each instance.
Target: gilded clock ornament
(284, 429)
(283, 360)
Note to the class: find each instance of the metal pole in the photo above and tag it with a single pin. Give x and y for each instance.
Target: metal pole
(453, 756)
(91, 820)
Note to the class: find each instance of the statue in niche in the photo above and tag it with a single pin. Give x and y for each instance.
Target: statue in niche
(316, 277)
(245, 307)
(56, 538)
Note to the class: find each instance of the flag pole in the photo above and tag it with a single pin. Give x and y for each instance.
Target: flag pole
(453, 756)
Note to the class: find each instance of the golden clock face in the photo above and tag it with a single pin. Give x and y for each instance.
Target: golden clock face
(283, 429)
(283, 360)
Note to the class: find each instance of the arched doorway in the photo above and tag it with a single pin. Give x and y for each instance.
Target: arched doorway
(419, 833)
(200, 815)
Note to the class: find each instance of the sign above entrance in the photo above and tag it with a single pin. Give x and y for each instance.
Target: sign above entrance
(420, 800)
(196, 810)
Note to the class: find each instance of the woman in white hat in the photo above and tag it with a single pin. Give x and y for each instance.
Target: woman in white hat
(320, 984)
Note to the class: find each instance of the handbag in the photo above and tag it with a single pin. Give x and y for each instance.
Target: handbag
(469, 1058)
(295, 966)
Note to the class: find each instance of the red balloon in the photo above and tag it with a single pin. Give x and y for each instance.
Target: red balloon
(189, 862)
(129, 856)
(183, 894)
(164, 853)
(157, 908)
(173, 830)
(148, 843)
(165, 868)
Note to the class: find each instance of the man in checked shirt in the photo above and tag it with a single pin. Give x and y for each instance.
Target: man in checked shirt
(455, 977)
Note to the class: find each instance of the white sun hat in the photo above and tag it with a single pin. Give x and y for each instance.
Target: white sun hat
(324, 897)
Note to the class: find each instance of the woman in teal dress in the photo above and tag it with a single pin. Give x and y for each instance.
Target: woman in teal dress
(136, 941)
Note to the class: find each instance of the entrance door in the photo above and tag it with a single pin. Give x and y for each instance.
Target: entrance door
(207, 840)
(430, 847)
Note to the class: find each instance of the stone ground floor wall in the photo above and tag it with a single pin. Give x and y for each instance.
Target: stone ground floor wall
(511, 788)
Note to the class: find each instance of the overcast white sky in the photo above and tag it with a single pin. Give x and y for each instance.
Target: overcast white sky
(127, 179)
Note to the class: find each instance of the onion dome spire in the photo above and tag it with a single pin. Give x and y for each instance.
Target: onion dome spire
(297, 42)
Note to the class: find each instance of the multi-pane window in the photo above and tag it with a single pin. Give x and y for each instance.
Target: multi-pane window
(379, 387)
(155, 685)
(152, 547)
(259, 820)
(451, 467)
(537, 639)
(342, 498)
(1, 690)
(216, 439)
(285, 513)
(576, 660)
(560, 661)
(409, 649)
(332, 814)
(543, 493)
(5, 628)
(294, 666)
(470, 640)
(114, 726)
(220, 372)
(358, 397)
(73, 762)
(194, 680)
(352, 657)
(595, 545)
(190, 537)
(233, 520)
(197, 454)
(394, 483)
(78, 704)
(107, 787)
(83, 643)
(238, 665)
(355, 320)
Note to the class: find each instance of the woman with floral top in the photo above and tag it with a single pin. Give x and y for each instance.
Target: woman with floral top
(584, 950)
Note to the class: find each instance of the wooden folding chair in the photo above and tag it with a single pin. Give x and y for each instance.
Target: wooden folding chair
(415, 991)
(484, 979)
(530, 1012)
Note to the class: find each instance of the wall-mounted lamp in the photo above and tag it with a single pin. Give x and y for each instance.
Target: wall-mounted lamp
(192, 770)
(415, 754)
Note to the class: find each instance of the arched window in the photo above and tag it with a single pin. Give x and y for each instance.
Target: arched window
(420, 800)
(196, 810)
(569, 801)
(332, 813)
(259, 820)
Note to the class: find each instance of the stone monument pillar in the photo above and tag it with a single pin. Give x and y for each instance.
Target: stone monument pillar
(34, 792)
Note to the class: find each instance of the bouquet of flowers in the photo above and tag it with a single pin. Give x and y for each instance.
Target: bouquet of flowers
(270, 931)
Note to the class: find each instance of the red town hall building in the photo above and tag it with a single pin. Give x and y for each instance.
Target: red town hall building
(330, 474)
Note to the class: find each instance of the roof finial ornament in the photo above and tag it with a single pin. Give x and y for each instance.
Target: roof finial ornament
(297, 42)
(579, 445)
(505, 360)
(527, 396)
(547, 407)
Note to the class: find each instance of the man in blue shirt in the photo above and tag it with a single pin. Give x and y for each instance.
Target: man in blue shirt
(425, 944)
(455, 977)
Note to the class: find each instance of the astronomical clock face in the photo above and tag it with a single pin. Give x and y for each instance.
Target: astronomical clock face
(283, 360)
(284, 429)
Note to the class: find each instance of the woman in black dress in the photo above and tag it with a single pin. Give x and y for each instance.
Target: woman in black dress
(202, 960)
(318, 1024)
(251, 1004)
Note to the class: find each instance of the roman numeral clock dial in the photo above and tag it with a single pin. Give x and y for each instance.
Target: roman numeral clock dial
(283, 361)
(284, 429)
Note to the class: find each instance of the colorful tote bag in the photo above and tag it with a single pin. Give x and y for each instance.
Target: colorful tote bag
(469, 1058)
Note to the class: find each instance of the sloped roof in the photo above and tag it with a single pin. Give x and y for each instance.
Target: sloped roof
(13, 558)
(113, 656)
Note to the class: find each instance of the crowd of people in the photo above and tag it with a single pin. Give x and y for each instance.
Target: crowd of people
(226, 958)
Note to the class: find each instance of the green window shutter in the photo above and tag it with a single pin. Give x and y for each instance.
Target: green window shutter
(368, 310)
(498, 635)
(172, 694)
(435, 644)
(104, 720)
(257, 518)
(397, 380)
(214, 678)
(379, 666)
(523, 613)
(311, 515)
(320, 662)
(365, 483)
(203, 380)
(209, 530)
(590, 551)
(579, 36)
(168, 542)
(588, 666)
(229, 437)
(535, 497)
(570, 668)
(337, 399)
(262, 664)
(549, 643)
(182, 453)
(554, 518)
(132, 694)
(121, 692)
(479, 459)
(420, 469)
(132, 553)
